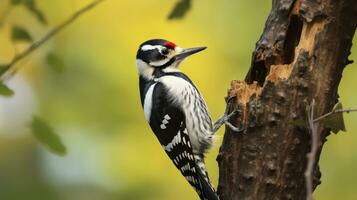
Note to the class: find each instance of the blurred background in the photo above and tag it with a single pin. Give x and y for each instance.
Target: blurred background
(91, 99)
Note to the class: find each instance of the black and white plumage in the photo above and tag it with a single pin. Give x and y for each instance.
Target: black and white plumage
(176, 111)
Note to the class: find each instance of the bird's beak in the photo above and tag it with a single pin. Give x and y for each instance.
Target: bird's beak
(188, 51)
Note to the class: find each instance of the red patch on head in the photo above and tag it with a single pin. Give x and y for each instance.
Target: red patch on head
(170, 45)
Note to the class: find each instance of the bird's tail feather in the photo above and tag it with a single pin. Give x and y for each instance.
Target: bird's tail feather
(206, 191)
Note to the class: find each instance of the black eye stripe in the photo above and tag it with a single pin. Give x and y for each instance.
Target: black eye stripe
(150, 55)
(159, 56)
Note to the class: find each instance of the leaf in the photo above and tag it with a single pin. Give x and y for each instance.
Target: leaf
(20, 34)
(46, 135)
(335, 121)
(5, 91)
(31, 6)
(16, 2)
(3, 69)
(180, 9)
(55, 62)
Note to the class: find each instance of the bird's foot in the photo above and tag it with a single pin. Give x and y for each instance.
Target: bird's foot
(230, 125)
(227, 116)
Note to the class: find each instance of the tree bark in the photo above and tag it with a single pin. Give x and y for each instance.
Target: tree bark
(299, 58)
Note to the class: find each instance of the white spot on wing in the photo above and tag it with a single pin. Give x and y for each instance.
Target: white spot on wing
(164, 122)
(174, 141)
(185, 131)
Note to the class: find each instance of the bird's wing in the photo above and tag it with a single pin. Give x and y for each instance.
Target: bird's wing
(168, 123)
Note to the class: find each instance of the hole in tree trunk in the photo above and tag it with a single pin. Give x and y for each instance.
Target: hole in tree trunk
(261, 67)
(292, 38)
(260, 72)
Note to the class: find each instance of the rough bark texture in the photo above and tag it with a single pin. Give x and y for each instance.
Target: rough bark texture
(299, 57)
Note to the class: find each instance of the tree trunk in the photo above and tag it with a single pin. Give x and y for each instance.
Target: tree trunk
(299, 58)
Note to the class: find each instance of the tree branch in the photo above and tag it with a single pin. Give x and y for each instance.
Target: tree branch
(311, 156)
(315, 137)
(35, 45)
(334, 112)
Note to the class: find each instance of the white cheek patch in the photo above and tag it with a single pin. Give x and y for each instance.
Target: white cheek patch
(160, 62)
(144, 69)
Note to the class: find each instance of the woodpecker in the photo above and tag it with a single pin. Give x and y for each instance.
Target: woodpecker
(176, 111)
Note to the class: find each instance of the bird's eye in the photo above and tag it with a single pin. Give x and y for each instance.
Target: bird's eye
(164, 51)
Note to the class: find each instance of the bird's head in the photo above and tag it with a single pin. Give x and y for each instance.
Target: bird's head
(163, 55)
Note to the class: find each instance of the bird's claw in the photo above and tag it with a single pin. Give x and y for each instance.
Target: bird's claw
(236, 111)
(227, 116)
(229, 99)
(231, 126)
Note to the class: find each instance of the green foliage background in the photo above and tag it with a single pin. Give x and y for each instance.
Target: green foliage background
(89, 95)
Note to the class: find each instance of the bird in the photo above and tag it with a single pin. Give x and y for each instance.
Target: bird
(177, 112)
